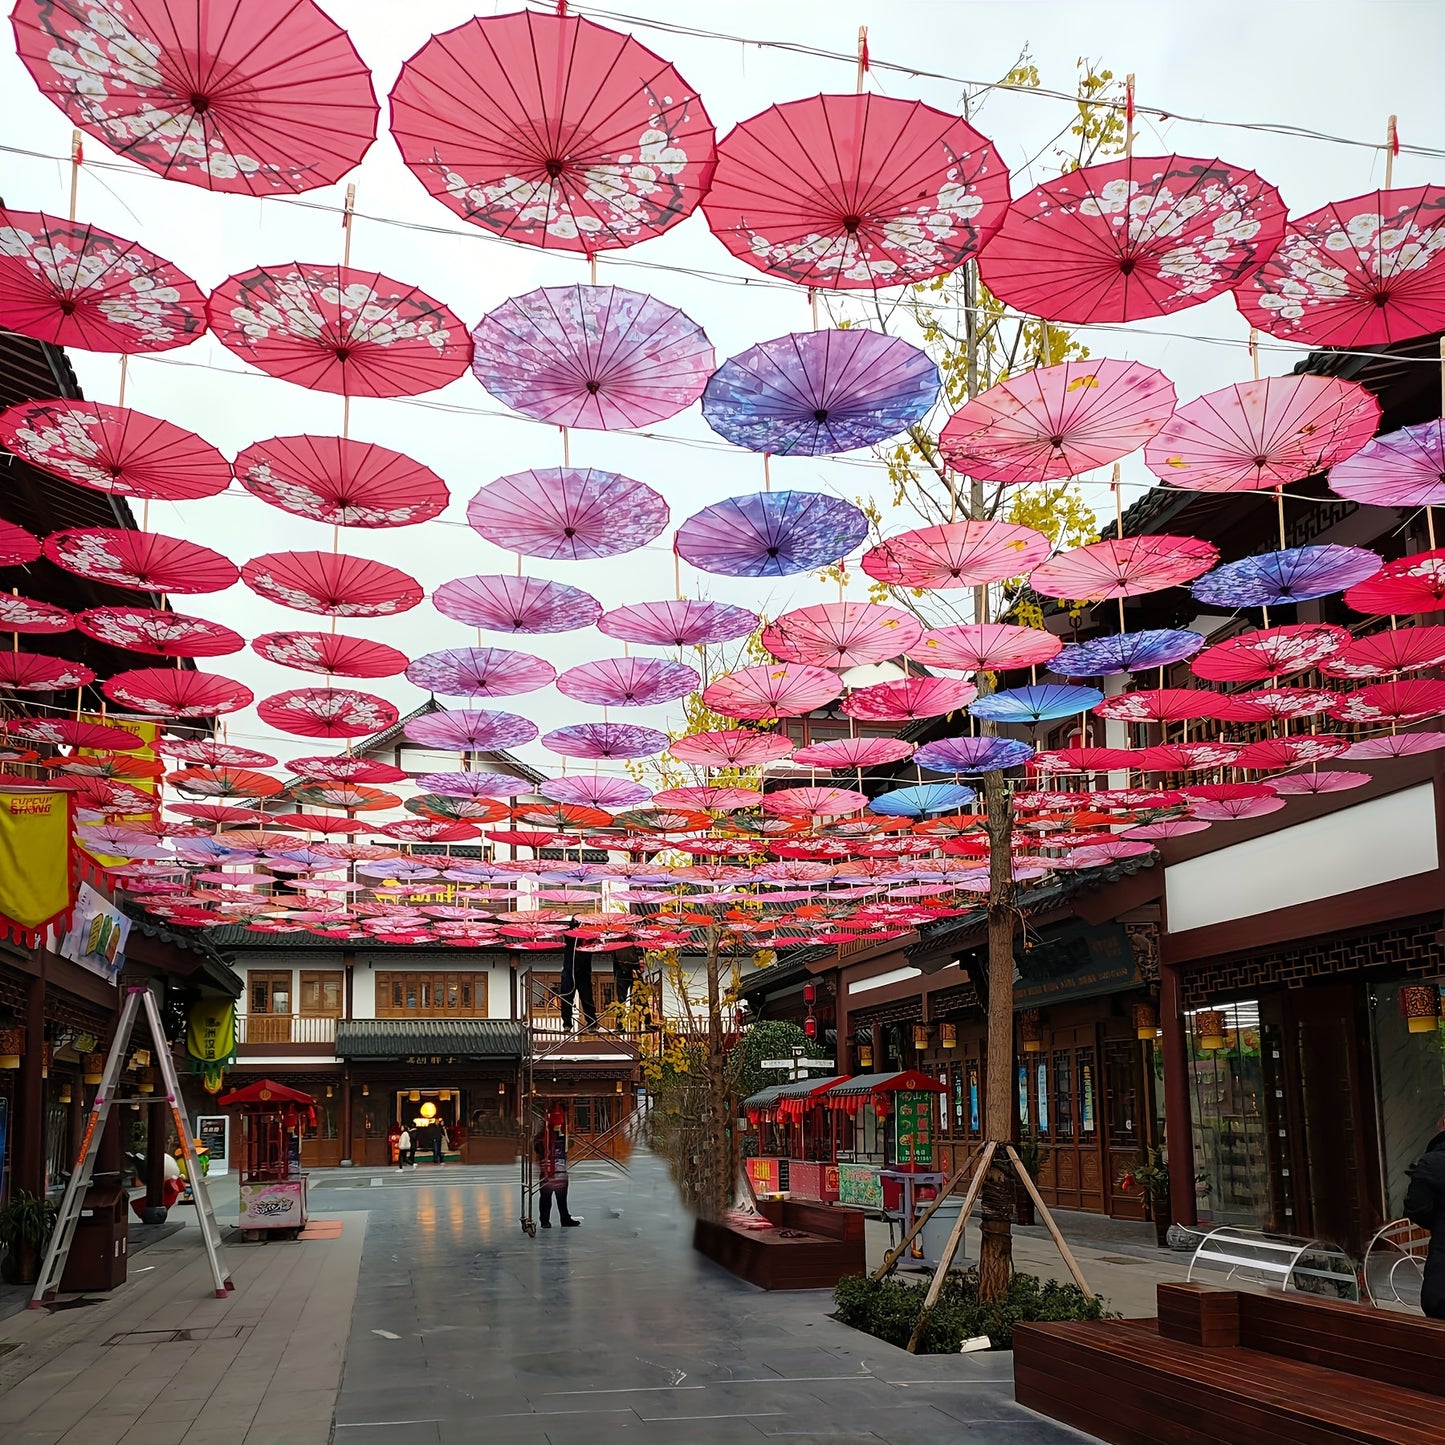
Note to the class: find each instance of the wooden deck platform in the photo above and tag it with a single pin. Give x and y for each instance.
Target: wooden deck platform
(812, 1246)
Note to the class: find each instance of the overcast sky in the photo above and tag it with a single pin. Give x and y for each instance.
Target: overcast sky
(1339, 68)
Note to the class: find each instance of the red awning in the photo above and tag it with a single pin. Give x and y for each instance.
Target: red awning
(908, 1082)
(265, 1093)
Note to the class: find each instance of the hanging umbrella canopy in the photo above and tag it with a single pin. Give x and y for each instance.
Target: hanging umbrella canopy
(628, 681)
(440, 808)
(71, 284)
(1229, 810)
(1162, 704)
(34, 672)
(605, 740)
(1395, 745)
(554, 131)
(470, 730)
(783, 689)
(984, 646)
(844, 192)
(316, 712)
(480, 672)
(176, 692)
(595, 792)
(1412, 584)
(1318, 780)
(1133, 238)
(972, 755)
(707, 799)
(595, 357)
(1405, 468)
(814, 802)
(1271, 652)
(567, 513)
(1123, 567)
(1167, 828)
(1036, 704)
(343, 767)
(1086, 760)
(331, 653)
(1057, 421)
(1127, 652)
(1297, 574)
(474, 785)
(1182, 757)
(771, 534)
(338, 329)
(341, 482)
(516, 604)
(842, 634)
(352, 797)
(731, 747)
(1401, 649)
(222, 782)
(17, 546)
(1270, 754)
(922, 799)
(1363, 272)
(159, 632)
(112, 449)
(1262, 434)
(908, 698)
(680, 623)
(331, 584)
(20, 614)
(1405, 699)
(144, 560)
(840, 753)
(69, 733)
(1268, 703)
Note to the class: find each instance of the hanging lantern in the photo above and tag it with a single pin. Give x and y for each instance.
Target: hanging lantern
(47, 1057)
(445, 1096)
(753, 1117)
(1209, 1025)
(920, 1037)
(146, 1082)
(92, 1068)
(1031, 1030)
(12, 1048)
(65, 1094)
(618, 1088)
(810, 1027)
(882, 1106)
(1420, 1007)
(366, 1091)
(1146, 1020)
(948, 1035)
(501, 1086)
(865, 1056)
(414, 1095)
(330, 1092)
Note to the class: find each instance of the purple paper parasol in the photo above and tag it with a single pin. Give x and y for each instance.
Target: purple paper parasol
(683, 623)
(475, 785)
(470, 730)
(1298, 574)
(819, 392)
(516, 604)
(595, 357)
(1404, 468)
(567, 513)
(1127, 652)
(605, 740)
(595, 792)
(628, 681)
(771, 534)
(480, 672)
(972, 755)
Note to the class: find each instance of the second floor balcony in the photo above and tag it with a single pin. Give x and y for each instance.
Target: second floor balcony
(318, 1029)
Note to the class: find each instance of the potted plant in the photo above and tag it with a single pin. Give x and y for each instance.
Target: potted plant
(1151, 1179)
(1031, 1156)
(25, 1225)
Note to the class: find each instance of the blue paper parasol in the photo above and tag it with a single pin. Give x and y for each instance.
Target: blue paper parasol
(1298, 574)
(771, 534)
(922, 799)
(1127, 652)
(972, 755)
(1036, 704)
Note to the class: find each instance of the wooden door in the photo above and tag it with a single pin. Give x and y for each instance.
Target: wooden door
(1127, 1102)
(1064, 1096)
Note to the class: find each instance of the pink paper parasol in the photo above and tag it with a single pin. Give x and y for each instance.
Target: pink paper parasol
(159, 632)
(706, 799)
(595, 792)
(70, 733)
(986, 647)
(683, 623)
(1167, 828)
(333, 328)
(331, 584)
(781, 690)
(330, 653)
(144, 560)
(316, 712)
(957, 554)
(567, 513)
(840, 753)
(1168, 704)
(516, 604)
(1262, 434)
(1412, 584)
(1406, 468)
(343, 767)
(730, 748)
(605, 740)
(1364, 272)
(470, 730)
(1273, 652)
(909, 698)
(1401, 649)
(1057, 421)
(431, 831)
(1394, 745)
(628, 681)
(1230, 810)
(34, 672)
(1403, 700)
(841, 634)
(174, 692)
(20, 614)
(814, 802)
(480, 672)
(214, 754)
(595, 357)
(17, 546)
(1321, 780)
(341, 482)
(1123, 568)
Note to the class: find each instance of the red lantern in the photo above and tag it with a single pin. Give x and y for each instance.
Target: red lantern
(810, 1027)
(882, 1106)
(810, 994)
(753, 1118)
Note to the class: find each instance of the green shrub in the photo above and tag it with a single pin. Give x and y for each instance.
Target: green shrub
(889, 1308)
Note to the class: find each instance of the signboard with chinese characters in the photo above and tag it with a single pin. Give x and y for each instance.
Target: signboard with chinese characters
(859, 1184)
(280, 1205)
(913, 1124)
(765, 1175)
(1075, 960)
(214, 1131)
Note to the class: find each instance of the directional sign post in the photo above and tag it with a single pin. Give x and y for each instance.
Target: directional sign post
(797, 1066)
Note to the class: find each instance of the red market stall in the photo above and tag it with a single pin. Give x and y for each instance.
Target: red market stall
(796, 1139)
(273, 1188)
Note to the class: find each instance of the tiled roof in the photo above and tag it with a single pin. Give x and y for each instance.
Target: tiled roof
(398, 1038)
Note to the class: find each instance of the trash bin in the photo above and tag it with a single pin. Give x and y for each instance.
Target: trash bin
(936, 1232)
(98, 1251)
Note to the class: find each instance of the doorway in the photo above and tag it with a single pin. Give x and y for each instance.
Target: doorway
(435, 1117)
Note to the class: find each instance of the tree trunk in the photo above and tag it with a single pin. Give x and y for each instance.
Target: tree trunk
(995, 1263)
(716, 1193)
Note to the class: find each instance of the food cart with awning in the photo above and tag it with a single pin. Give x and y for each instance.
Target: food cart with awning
(767, 1165)
(273, 1188)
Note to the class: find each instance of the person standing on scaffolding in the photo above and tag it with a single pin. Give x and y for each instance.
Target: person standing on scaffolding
(550, 1147)
(576, 979)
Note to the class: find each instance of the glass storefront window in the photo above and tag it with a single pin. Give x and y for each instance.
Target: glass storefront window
(1410, 1087)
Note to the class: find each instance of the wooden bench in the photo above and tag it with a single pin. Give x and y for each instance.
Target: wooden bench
(812, 1246)
(1243, 1368)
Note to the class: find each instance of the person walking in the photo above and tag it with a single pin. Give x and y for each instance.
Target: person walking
(550, 1147)
(1425, 1206)
(404, 1150)
(438, 1141)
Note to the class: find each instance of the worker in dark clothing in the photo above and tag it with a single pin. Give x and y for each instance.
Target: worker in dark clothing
(550, 1147)
(1425, 1206)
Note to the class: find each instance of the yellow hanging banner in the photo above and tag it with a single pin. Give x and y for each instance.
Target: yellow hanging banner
(34, 857)
(211, 1031)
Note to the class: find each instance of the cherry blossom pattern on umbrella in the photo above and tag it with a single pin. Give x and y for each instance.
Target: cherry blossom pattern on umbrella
(1321, 780)
(331, 584)
(605, 740)
(341, 482)
(781, 689)
(972, 755)
(343, 767)
(1268, 703)
(1404, 468)
(223, 782)
(707, 799)
(317, 712)
(1400, 700)
(680, 623)
(1035, 704)
(1127, 652)
(353, 797)
(567, 513)
(35, 672)
(516, 604)
(595, 357)
(1271, 652)
(1133, 238)
(70, 733)
(20, 614)
(595, 792)
(440, 808)
(1166, 704)
(856, 192)
(908, 698)
(814, 393)
(771, 534)
(331, 653)
(159, 632)
(985, 646)
(1412, 584)
(337, 329)
(1363, 272)
(71, 284)
(1057, 421)
(211, 753)
(731, 748)
(174, 692)
(17, 546)
(480, 672)
(922, 799)
(1123, 567)
(144, 560)
(628, 681)
(814, 802)
(554, 131)
(841, 634)
(1297, 574)
(1270, 754)
(1401, 649)
(840, 753)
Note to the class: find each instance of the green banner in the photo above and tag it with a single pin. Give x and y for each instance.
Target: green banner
(914, 1123)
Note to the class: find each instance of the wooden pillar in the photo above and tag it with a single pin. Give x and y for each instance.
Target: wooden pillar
(28, 1166)
(1178, 1122)
(346, 1155)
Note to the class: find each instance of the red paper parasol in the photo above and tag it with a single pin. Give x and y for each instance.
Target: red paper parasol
(219, 813)
(341, 482)
(839, 753)
(856, 191)
(1270, 754)
(567, 513)
(145, 560)
(175, 692)
(1401, 649)
(1261, 434)
(1413, 584)
(516, 604)
(214, 754)
(1057, 421)
(842, 634)
(1168, 704)
(1364, 272)
(68, 733)
(986, 647)
(345, 768)
(332, 584)
(1123, 567)
(222, 783)
(567, 815)
(17, 546)
(20, 614)
(317, 712)
(470, 730)
(333, 328)
(552, 130)
(1133, 238)
(707, 799)
(330, 653)
(1404, 700)
(103, 796)
(730, 748)
(1266, 704)
(957, 554)
(34, 672)
(628, 681)
(159, 632)
(680, 623)
(780, 690)
(1273, 652)
(71, 284)
(814, 802)
(908, 698)
(317, 823)
(1086, 760)
(480, 672)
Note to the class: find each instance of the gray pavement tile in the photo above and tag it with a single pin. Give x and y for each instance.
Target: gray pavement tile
(396, 1430)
